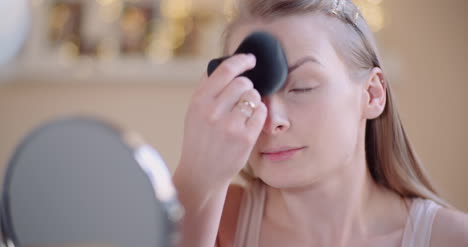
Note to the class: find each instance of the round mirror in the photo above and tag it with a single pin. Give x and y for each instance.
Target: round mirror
(13, 28)
(84, 182)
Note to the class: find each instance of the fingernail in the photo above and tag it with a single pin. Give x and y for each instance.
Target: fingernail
(252, 56)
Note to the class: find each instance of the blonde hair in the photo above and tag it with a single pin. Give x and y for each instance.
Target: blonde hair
(390, 157)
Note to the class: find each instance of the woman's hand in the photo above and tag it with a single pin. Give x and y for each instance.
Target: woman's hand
(222, 124)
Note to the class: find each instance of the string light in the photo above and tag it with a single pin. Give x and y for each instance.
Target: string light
(111, 9)
(171, 31)
(157, 36)
(176, 9)
(105, 2)
(373, 12)
(60, 15)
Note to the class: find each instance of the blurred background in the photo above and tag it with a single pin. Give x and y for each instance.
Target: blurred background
(136, 62)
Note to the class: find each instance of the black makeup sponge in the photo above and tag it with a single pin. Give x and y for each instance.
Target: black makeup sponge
(271, 70)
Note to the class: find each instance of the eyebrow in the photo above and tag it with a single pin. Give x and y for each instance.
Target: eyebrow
(302, 61)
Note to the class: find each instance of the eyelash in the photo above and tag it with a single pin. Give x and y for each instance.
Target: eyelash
(301, 90)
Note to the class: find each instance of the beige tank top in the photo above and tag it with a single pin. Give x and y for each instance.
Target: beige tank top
(417, 231)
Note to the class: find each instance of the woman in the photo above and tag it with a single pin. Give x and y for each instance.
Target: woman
(328, 161)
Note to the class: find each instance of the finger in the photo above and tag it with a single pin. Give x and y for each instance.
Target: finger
(231, 94)
(245, 106)
(226, 72)
(256, 122)
(202, 85)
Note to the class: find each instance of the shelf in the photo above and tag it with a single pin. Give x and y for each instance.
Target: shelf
(179, 71)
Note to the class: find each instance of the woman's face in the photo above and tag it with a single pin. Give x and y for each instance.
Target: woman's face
(314, 126)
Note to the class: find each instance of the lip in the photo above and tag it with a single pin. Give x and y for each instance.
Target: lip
(280, 154)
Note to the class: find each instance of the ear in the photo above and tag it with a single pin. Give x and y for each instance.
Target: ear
(375, 94)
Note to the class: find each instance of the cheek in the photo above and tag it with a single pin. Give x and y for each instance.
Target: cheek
(331, 124)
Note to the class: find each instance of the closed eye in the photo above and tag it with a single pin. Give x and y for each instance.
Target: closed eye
(300, 90)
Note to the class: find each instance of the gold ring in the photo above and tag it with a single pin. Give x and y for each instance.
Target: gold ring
(248, 103)
(247, 107)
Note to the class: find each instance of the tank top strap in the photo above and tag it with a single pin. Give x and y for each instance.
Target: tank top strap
(418, 227)
(250, 215)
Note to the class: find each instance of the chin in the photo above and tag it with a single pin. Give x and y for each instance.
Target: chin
(285, 180)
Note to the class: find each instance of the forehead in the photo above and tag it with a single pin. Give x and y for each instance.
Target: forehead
(299, 35)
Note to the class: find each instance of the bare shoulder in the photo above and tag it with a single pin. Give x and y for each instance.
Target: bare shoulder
(228, 224)
(450, 228)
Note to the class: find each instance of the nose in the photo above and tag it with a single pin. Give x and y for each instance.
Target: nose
(277, 120)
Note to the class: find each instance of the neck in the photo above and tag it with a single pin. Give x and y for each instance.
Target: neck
(334, 211)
